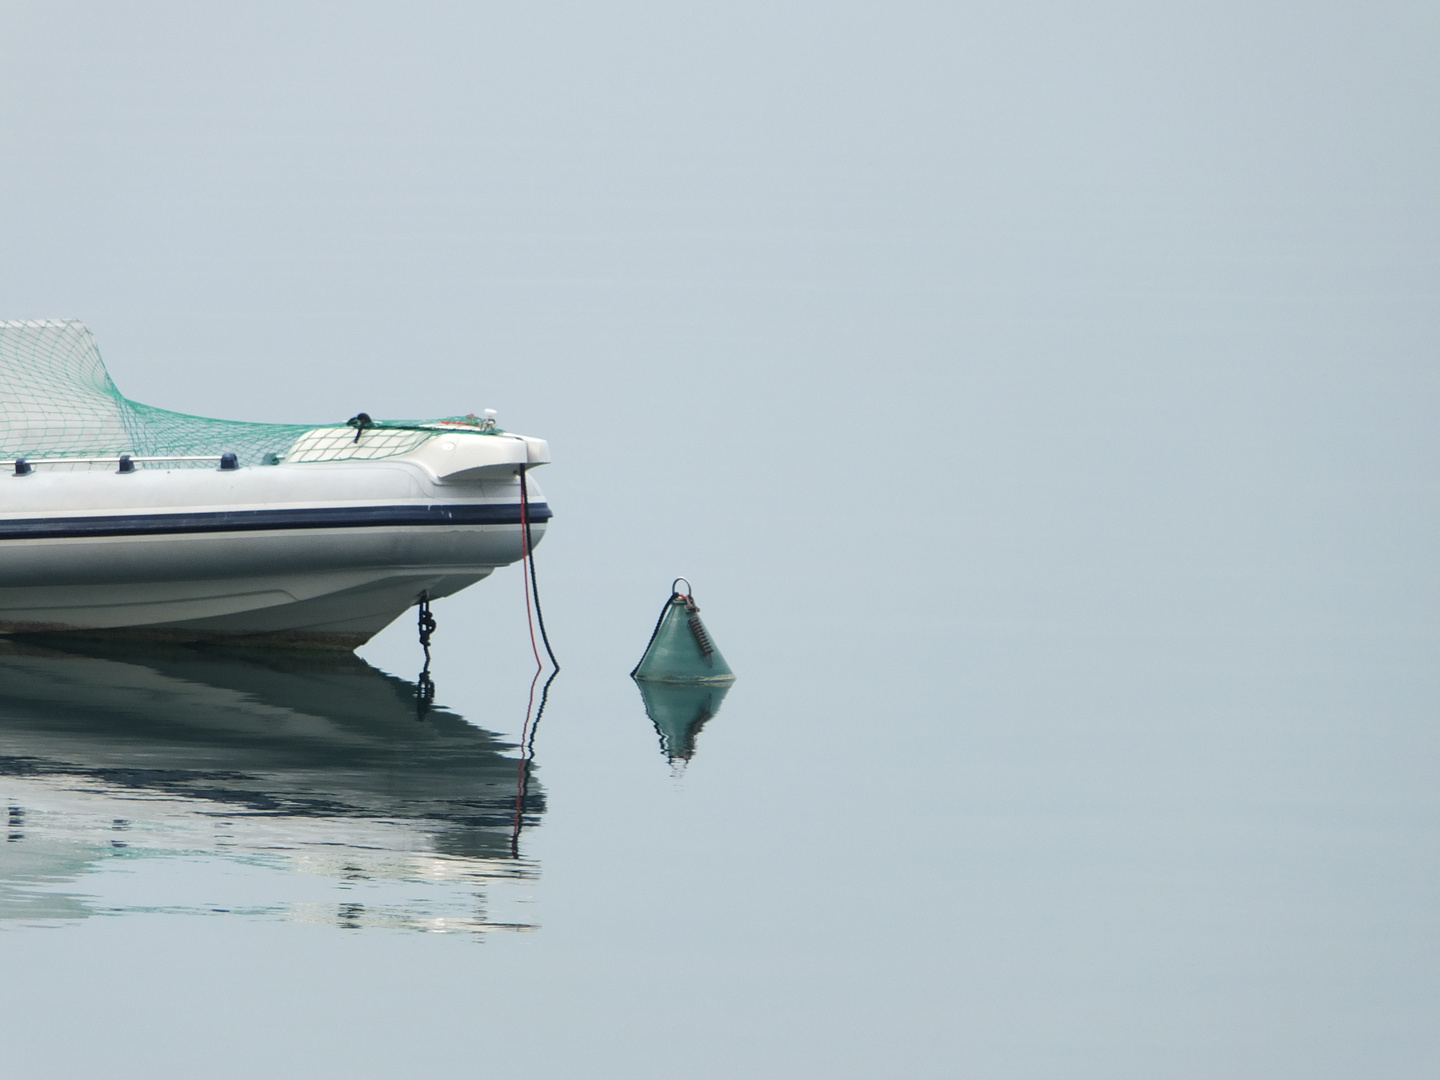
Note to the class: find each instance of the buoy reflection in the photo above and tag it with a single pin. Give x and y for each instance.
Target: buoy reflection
(679, 711)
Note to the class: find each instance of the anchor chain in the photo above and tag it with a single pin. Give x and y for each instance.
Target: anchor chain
(424, 685)
(427, 625)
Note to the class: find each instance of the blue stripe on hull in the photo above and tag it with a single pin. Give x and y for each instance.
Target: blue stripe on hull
(313, 517)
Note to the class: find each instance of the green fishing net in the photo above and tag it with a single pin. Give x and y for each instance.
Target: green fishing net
(58, 404)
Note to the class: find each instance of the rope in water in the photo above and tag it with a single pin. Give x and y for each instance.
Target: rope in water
(526, 568)
(530, 727)
(530, 559)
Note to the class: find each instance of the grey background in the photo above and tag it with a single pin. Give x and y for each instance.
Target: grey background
(1041, 399)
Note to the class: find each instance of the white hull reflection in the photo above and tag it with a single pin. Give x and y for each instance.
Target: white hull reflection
(291, 787)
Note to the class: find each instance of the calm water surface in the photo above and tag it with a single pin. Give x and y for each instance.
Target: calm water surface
(311, 788)
(1129, 843)
(1041, 399)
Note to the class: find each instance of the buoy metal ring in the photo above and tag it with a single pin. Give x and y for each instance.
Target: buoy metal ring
(676, 592)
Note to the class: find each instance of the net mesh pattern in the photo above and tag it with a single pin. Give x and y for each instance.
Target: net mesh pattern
(337, 444)
(57, 401)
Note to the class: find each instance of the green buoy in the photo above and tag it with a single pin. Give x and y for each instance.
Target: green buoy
(682, 676)
(680, 649)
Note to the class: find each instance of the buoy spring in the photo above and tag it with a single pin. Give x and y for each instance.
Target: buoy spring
(702, 638)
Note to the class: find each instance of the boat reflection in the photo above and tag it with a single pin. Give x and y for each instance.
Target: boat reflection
(679, 711)
(200, 780)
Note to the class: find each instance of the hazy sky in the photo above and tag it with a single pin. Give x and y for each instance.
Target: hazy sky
(1151, 245)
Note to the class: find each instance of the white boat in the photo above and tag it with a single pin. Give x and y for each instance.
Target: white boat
(274, 534)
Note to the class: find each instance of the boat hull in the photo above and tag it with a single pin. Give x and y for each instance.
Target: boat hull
(281, 561)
